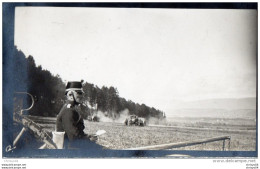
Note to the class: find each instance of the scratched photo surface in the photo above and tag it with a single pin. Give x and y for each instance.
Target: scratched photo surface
(152, 79)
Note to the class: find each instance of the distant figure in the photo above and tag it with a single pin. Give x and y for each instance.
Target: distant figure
(70, 120)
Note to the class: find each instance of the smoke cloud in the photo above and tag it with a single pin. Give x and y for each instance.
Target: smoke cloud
(156, 121)
(115, 117)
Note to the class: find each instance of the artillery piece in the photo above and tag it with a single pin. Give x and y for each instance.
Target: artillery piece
(135, 120)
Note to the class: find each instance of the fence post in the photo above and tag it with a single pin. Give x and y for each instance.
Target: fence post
(224, 144)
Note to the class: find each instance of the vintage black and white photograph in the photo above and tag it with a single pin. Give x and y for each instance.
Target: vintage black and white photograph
(159, 82)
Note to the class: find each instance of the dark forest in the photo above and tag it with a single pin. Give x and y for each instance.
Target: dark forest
(48, 92)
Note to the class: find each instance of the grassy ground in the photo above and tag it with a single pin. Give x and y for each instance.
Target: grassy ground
(119, 136)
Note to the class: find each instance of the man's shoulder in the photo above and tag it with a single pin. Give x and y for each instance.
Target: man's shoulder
(67, 108)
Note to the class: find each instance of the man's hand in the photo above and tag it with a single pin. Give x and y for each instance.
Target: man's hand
(93, 138)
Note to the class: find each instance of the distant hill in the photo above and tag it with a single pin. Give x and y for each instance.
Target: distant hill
(214, 113)
(225, 103)
(217, 108)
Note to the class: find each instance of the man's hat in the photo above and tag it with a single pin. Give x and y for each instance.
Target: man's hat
(75, 85)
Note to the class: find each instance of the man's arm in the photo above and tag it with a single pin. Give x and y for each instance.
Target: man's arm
(67, 120)
(59, 126)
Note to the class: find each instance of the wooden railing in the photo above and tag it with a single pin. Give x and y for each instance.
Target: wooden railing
(185, 144)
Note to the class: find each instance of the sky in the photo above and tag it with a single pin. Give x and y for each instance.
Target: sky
(152, 56)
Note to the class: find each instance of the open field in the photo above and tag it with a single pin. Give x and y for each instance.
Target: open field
(119, 136)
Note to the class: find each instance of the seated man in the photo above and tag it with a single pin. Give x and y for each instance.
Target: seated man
(70, 120)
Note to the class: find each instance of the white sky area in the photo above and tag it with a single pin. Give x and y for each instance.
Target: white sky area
(152, 56)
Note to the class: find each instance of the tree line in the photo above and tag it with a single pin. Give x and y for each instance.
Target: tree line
(47, 89)
(48, 92)
(107, 100)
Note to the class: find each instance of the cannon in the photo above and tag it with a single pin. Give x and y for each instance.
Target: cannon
(141, 121)
(135, 120)
(93, 118)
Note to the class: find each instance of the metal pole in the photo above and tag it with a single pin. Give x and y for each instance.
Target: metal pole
(43, 146)
(19, 136)
(177, 145)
